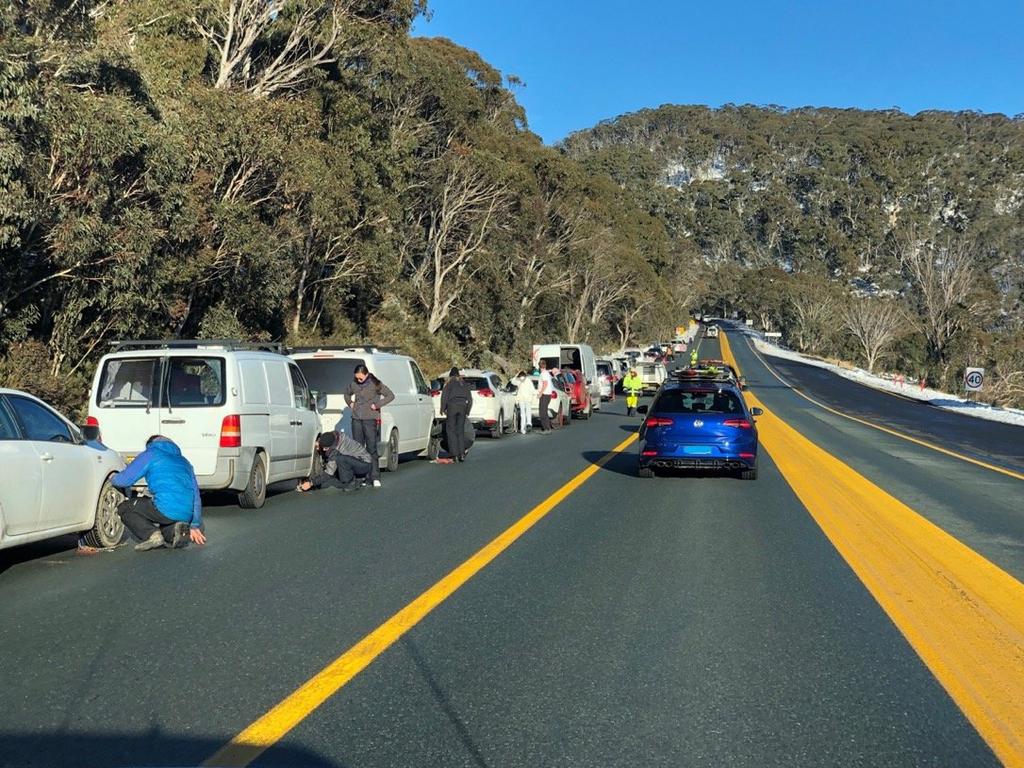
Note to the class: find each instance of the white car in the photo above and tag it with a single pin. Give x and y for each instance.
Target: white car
(407, 423)
(494, 406)
(712, 332)
(578, 357)
(652, 375)
(241, 413)
(607, 377)
(559, 409)
(53, 482)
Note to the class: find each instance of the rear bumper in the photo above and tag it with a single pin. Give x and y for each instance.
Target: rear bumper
(696, 462)
(232, 472)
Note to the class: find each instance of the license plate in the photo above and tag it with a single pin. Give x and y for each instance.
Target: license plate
(697, 450)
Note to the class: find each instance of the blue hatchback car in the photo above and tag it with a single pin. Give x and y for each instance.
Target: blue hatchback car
(699, 424)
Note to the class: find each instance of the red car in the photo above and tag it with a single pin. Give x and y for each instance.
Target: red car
(576, 387)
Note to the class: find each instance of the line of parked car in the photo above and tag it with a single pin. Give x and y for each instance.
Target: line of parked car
(246, 416)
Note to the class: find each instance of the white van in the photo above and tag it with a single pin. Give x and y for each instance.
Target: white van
(578, 356)
(407, 423)
(241, 413)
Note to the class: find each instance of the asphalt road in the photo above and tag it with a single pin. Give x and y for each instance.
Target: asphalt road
(684, 621)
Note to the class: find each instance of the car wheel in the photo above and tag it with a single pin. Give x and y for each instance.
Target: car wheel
(645, 472)
(255, 492)
(107, 530)
(391, 455)
(748, 474)
(499, 427)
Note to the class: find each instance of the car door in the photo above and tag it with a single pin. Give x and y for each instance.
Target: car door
(425, 401)
(71, 473)
(305, 421)
(507, 403)
(21, 483)
(283, 442)
(192, 407)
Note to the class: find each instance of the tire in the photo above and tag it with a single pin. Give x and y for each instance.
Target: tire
(499, 428)
(748, 474)
(645, 472)
(107, 530)
(391, 454)
(255, 492)
(434, 448)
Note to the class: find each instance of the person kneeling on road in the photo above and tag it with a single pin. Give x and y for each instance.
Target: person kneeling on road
(173, 515)
(344, 461)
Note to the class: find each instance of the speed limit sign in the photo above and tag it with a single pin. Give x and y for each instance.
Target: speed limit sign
(973, 379)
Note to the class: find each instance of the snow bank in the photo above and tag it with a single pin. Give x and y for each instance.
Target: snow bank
(909, 388)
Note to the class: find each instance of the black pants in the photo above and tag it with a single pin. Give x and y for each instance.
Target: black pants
(545, 417)
(348, 469)
(141, 517)
(455, 428)
(364, 432)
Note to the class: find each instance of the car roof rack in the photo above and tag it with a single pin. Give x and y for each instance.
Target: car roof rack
(368, 348)
(231, 345)
(688, 374)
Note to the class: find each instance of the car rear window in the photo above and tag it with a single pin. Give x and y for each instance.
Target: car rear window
(128, 382)
(697, 401)
(194, 382)
(476, 382)
(604, 368)
(329, 376)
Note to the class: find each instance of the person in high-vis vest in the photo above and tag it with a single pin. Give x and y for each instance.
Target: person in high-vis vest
(632, 385)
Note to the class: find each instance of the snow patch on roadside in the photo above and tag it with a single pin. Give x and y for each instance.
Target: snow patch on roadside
(909, 389)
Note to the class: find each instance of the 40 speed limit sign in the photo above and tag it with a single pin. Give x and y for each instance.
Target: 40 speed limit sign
(973, 379)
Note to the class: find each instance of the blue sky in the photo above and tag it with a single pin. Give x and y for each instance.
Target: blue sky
(586, 61)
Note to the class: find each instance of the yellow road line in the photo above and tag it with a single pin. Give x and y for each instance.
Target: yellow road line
(275, 724)
(887, 430)
(962, 614)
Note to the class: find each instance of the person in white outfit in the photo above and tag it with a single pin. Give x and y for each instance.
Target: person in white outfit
(524, 400)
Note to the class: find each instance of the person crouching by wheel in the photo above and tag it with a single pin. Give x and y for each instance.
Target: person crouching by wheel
(174, 514)
(456, 402)
(632, 385)
(345, 463)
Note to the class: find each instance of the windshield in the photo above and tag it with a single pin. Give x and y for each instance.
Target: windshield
(697, 401)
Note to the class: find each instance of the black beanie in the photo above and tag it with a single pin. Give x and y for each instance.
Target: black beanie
(327, 440)
(453, 372)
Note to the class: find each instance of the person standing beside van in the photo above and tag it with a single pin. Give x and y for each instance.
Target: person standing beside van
(524, 401)
(546, 389)
(366, 395)
(174, 514)
(456, 402)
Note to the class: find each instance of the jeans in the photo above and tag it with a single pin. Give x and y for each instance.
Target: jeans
(141, 517)
(455, 427)
(545, 417)
(365, 432)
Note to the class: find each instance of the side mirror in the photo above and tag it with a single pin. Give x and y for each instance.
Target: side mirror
(756, 411)
(642, 409)
(319, 401)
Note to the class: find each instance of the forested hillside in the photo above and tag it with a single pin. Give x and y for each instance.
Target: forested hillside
(874, 236)
(294, 170)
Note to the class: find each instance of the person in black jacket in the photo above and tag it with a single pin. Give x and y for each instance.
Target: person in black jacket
(456, 401)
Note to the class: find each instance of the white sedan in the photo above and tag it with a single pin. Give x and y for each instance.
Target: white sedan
(53, 481)
(558, 409)
(494, 407)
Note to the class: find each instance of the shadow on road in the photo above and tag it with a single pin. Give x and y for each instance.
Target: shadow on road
(115, 750)
(620, 463)
(36, 551)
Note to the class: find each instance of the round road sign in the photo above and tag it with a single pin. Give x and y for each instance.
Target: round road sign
(974, 379)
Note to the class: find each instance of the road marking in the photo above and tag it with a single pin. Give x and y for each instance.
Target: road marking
(963, 615)
(887, 430)
(297, 706)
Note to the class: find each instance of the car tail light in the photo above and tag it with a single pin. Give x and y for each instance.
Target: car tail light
(485, 392)
(231, 432)
(435, 393)
(747, 456)
(658, 421)
(739, 423)
(649, 453)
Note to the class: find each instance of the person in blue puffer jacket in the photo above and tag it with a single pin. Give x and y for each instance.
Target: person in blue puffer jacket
(174, 515)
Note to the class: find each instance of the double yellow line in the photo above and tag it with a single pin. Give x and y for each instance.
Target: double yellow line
(963, 615)
(297, 706)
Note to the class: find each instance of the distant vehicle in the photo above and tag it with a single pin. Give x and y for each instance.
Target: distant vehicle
(53, 483)
(407, 424)
(576, 356)
(708, 367)
(494, 406)
(241, 413)
(712, 332)
(607, 376)
(652, 375)
(699, 425)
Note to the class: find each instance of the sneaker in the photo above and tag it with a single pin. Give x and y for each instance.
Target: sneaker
(376, 483)
(181, 537)
(155, 541)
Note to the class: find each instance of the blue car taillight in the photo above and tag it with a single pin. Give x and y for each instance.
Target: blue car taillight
(738, 423)
(658, 421)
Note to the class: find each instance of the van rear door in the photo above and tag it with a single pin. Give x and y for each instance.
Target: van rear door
(125, 401)
(192, 407)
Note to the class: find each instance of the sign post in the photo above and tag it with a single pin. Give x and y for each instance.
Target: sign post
(973, 379)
